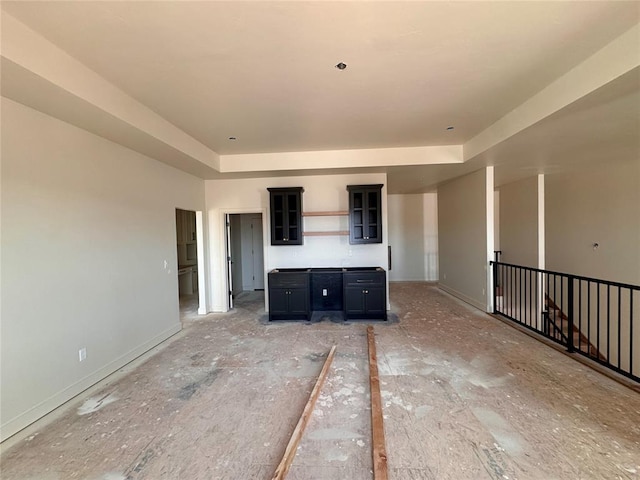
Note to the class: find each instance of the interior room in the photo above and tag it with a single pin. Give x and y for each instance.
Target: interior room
(200, 199)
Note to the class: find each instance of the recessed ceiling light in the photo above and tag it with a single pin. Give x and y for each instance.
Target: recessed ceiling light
(232, 138)
(450, 128)
(341, 66)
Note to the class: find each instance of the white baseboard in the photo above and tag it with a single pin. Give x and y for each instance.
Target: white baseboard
(47, 406)
(463, 297)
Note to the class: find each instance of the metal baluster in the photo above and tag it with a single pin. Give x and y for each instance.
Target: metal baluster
(562, 304)
(619, 323)
(495, 286)
(608, 322)
(598, 318)
(535, 309)
(589, 316)
(630, 331)
(580, 315)
(530, 299)
(570, 315)
(520, 292)
(546, 320)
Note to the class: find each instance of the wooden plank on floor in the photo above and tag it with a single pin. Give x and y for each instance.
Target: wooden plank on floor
(377, 425)
(296, 436)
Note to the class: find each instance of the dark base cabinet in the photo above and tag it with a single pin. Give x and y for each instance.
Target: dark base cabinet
(360, 293)
(365, 295)
(326, 289)
(289, 295)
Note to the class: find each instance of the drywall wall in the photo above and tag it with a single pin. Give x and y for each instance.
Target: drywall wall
(321, 193)
(519, 222)
(464, 241)
(413, 237)
(87, 228)
(599, 204)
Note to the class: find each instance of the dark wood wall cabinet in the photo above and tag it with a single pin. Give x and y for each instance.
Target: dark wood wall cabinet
(286, 215)
(359, 293)
(365, 214)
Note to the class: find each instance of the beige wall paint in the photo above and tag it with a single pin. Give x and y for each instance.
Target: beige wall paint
(600, 205)
(413, 237)
(519, 222)
(462, 237)
(363, 157)
(50, 64)
(610, 62)
(87, 227)
(321, 193)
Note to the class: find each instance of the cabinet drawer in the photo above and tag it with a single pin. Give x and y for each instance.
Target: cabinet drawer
(289, 280)
(354, 279)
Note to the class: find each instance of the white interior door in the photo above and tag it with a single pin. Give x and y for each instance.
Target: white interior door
(258, 254)
(227, 219)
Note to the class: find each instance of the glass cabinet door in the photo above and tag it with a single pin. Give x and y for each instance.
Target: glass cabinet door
(373, 217)
(293, 217)
(277, 217)
(365, 214)
(286, 215)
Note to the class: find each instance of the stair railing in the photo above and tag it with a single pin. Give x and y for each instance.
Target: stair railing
(591, 317)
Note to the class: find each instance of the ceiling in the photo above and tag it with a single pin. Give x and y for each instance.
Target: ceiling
(264, 73)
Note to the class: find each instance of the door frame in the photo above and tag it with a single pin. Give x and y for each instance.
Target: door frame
(201, 261)
(228, 260)
(202, 285)
(224, 253)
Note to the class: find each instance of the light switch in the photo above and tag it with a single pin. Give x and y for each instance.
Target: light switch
(324, 292)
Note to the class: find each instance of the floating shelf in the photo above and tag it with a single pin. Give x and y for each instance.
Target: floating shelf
(325, 234)
(325, 214)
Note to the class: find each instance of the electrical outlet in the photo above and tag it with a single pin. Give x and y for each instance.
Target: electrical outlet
(82, 354)
(324, 292)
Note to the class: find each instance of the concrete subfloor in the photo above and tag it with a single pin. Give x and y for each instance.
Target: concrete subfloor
(465, 397)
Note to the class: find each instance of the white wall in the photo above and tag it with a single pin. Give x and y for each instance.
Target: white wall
(321, 193)
(596, 205)
(464, 243)
(413, 237)
(87, 228)
(519, 222)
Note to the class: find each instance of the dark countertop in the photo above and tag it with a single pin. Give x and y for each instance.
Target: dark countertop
(327, 270)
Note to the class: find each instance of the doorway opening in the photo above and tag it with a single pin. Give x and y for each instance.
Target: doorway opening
(189, 247)
(245, 257)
